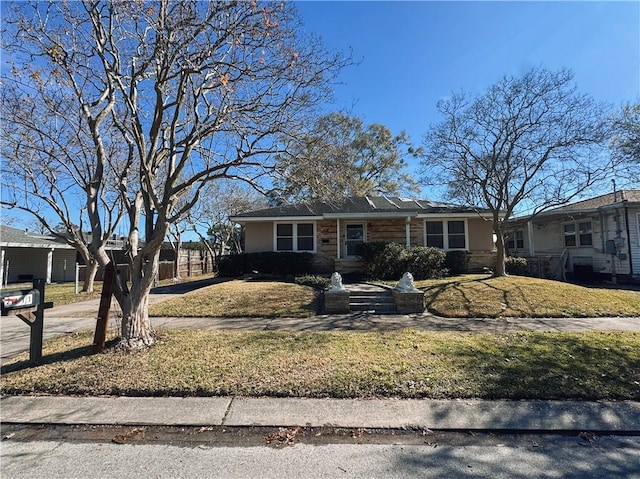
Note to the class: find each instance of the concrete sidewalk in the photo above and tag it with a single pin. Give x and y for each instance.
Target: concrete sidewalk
(547, 416)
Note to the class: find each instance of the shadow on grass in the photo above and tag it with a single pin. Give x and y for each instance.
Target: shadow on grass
(526, 366)
(462, 299)
(58, 357)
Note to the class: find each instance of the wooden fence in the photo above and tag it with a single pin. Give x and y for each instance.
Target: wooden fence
(190, 263)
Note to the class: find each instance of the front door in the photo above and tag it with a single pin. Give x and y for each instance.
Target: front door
(354, 236)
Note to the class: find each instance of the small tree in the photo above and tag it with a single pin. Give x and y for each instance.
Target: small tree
(529, 141)
(339, 157)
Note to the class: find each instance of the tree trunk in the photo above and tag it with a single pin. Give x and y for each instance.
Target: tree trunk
(90, 275)
(136, 331)
(500, 269)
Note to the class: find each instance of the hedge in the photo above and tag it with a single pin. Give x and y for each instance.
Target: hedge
(268, 262)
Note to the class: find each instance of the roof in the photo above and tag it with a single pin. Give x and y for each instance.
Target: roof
(13, 237)
(622, 196)
(360, 205)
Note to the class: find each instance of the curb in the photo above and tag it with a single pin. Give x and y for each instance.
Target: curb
(454, 415)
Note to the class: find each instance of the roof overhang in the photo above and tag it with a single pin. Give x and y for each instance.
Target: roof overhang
(247, 219)
(5, 244)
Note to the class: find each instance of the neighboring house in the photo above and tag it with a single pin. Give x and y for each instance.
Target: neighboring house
(597, 237)
(332, 231)
(24, 256)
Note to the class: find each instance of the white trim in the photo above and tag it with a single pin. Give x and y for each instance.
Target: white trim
(445, 232)
(279, 219)
(295, 237)
(445, 215)
(366, 216)
(407, 232)
(338, 238)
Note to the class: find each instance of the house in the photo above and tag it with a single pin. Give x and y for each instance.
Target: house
(597, 237)
(332, 231)
(24, 256)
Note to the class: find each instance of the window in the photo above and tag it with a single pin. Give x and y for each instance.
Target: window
(295, 237)
(578, 234)
(447, 234)
(435, 234)
(354, 237)
(584, 231)
(284, 240)
(305, 237)
(456, 235)
(516, 240)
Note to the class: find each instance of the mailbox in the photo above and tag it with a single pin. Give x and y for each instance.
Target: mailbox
(22, 299)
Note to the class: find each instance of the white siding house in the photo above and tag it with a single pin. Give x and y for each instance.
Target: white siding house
(597, 237)
(25, 255)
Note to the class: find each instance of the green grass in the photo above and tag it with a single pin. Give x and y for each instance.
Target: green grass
(408, 364)
(243, 298)
(519, 296)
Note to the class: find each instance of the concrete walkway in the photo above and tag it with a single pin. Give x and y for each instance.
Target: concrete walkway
(542, 416)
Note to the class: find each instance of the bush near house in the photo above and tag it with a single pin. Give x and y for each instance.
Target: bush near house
(281, 264)
(389, 261)
(517, 266)
(457, 262)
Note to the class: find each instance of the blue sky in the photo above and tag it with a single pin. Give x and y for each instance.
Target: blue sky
(414, 53)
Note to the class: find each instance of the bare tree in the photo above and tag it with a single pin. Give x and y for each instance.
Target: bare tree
(338, 156)
(529, 141)
(209, 219)
(190, 92)
(626, 143)
(51, 163)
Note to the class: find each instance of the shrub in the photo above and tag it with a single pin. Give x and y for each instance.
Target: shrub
(516, 266)
(426, 262)
(317, 282)
(457, 262)
(367, 252)
(266, 263)
(389, 261)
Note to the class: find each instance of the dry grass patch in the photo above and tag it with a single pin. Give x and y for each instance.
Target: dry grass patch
(410, 364)
(243, 298)
(518, 296)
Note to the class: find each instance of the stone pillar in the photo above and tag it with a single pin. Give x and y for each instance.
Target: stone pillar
(409, 302)
(408, 299)
(336, 298)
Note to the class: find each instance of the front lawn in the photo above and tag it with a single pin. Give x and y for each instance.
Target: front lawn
(243, 298)
(459, 296)
(407, 364)
(476, 295)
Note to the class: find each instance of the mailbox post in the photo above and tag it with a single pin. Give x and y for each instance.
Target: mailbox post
(29, 306)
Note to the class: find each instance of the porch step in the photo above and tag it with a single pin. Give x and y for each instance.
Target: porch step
(380, 302)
